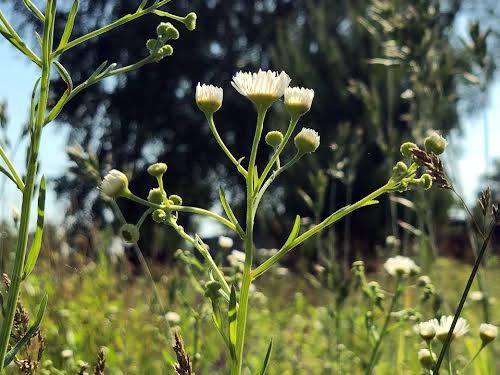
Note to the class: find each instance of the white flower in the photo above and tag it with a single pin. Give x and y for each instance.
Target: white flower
(172, 317)
(400, 265)
(488, 332)
(307, 140)
(114, 183)
(236, 258)
(426, 330)
(262, 88)
(298, 100)
(426, 358)
(444, 324)
(281, 271)
(476, 296)
(208, 98)
(226, 242)
(67, 353)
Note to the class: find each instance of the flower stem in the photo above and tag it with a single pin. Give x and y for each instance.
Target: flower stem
(22, 241)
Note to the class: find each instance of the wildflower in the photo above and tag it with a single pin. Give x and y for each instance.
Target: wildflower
(444, 324)
(157, 169)
(236, 257)
(67, 353)
(209, 98)
(262, 88)
(435, 143)
(307, 141)
(274, 138)
(426, 330)
(226, 242)
(488, 333)
(114, 184)
(426, 358)
(130, 233)
(298, 100)
(476, 296)
(172, 317)
(400, 265)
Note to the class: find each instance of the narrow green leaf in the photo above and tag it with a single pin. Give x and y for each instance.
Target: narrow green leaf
(168, 358)
(98, 71)
(37, 242)
(371, 203)
(54, 112)
(294, 232)
(31, 332)
(255, 177)
(34, 10)
(231, 314)
(227, 209)
(68, 29)
(64, 74)
(265, 365)
(33, 105)
(7, 173)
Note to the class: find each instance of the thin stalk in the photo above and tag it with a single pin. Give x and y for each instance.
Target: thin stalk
(20, 255)
(473, 358)
(460, 306)
(247, 278)
(374, 355)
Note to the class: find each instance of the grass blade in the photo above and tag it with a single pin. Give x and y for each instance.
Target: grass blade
(294, 232)
(37, 242)
(265, 365)
(68, 29)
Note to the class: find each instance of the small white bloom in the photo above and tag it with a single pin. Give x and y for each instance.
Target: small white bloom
(263, 87)
(444, 324)
(426, 330)
(488, 332)
(307, 140)
(400, 265)
(298, 100)
(172, 317)
(476, 296)
(67, 353)
(281, 271)
(226, 242)
(114, 183)
(209, 97)
(236, 258)
(426, 358)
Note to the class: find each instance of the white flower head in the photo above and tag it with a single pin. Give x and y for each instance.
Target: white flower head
(209, 98)
(236, 258)
(114, 184)
(444, 324)
(476, 296)
(426, 358)
(298, 100)
(307, 141)
(262, 88)
(226, 242)
(400, 265)
(488, 333)
(426, 330)
(172, 317)
(67, 353)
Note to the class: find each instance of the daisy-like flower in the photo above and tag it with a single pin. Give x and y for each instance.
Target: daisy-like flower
(307, 141)
(400, 265)
(426, 330)
(114, 184)
(488, 333)
(298, 100)
(208, 98)
(262, 88)
(444, 324)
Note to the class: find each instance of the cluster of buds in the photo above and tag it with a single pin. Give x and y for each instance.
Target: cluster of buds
(375, 293)
(426, 287)
(407, 315)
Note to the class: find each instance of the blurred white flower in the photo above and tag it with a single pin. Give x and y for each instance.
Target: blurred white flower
(400, 265)
(209, 97)
(261, 87)
(236, 258)
(426, 358)
(67, 353)
(426, 330)
(444, 324)
(488, 332)
(172, 317)
(476, 296)
(116, 250)
(281, 271)
(226, 242)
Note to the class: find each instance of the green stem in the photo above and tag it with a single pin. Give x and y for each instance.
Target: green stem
(20, 255)
(12, 169)
(473, 358)
(337, 215)
(247, 278)
(375, 352)
(460, 306)
(211, 124)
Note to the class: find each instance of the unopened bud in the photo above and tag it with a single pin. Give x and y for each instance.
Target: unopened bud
(157, 169)
(406, 149)
(156, 196)
(176, 199)
(274, 138)
(307, 141)
(488, 333)
(435, 143)
(130, 233)
(190, 21)
(114, 184)
(159, 216)
(166, 31)
(426, 358)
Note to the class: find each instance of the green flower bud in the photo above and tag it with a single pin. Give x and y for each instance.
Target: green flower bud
(157, 169)
(159, 216)
(274, 138)
(307, 141)
(164, 51)
(166, 31)
(212, 289)
(399, 170)
(190, 21)
(406, 148)
(426, 181)
(423, 281)
(130, 233)
(114, 184)
(435, 143)
(154, 45)
(156, 196)
(176, 200)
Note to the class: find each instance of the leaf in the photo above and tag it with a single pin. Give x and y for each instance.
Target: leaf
(98, 71)
(37, 242)
(294, 232)
(168, 358)
(68, 29)
(265, 365)
(227, 209)
(7, 173)
(29, 334)
(34, 10)
(231, 314)
(64, 74)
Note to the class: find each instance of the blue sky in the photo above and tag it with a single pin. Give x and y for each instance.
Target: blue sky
(17, 77)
